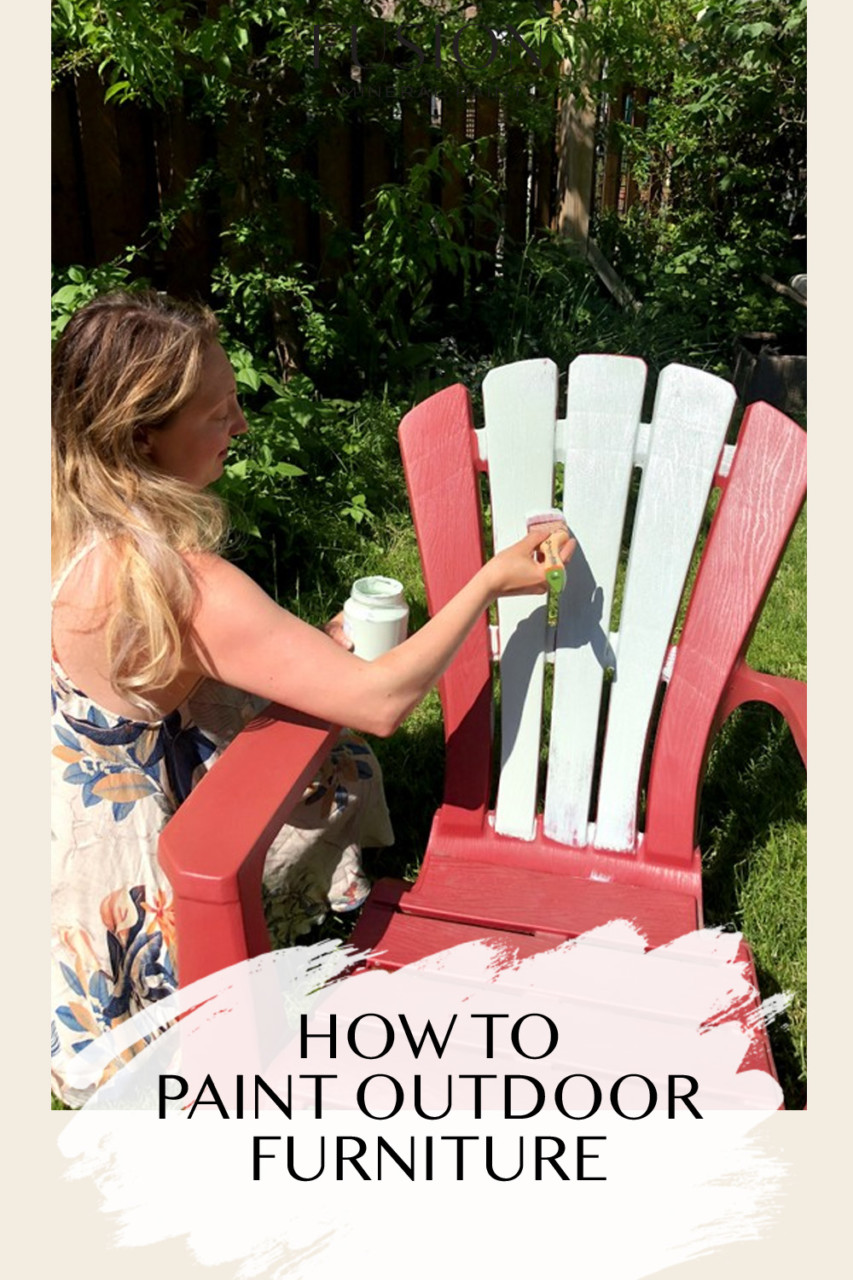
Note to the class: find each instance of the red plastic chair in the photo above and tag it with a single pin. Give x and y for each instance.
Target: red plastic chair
(535, 878)
(532, 879)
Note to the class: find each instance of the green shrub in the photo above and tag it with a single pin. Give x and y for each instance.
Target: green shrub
(72, 287)
(311, 480)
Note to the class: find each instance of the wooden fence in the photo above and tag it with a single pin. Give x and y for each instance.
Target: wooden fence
(117, 167)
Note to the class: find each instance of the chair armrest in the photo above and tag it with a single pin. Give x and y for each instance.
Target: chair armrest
(213, 849)
(788, 697)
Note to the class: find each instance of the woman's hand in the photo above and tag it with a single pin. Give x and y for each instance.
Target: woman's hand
(519, 570)
(242, 638)
(335, 629)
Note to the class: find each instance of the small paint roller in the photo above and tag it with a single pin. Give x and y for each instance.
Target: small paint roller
(555, 574)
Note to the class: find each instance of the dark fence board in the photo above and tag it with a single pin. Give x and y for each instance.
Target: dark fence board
(453, 126)
(70, 220)
(517, 176)
(102, 168)
(335, 174)
(378, 160)
(417, 139)
(486, 118)
(186, 263)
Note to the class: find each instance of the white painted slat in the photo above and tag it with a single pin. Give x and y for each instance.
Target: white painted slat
(605, 396)
(726, 460)
(691, 414)
(520, 402)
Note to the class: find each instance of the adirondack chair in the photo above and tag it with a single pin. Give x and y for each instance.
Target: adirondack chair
(513, 873)
(528, 878)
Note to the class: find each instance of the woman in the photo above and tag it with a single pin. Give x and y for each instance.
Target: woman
(162, 651)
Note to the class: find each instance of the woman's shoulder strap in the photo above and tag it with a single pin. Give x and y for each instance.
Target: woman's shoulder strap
(79, 555)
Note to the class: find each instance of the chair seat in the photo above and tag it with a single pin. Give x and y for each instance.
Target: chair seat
(402, 934)
(401, 938)
(519, 901)
(525, 901)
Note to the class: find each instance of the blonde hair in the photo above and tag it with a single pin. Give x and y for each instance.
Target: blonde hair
(125, 364)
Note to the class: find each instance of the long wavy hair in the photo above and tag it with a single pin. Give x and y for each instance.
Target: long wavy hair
(125, 364)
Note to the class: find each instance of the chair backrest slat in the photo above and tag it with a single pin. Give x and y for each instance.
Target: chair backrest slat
(604, 403)
(691, 415)
(436, 439)
(520, 404)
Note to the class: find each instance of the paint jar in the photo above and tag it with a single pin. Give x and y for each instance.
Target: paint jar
(376, 616)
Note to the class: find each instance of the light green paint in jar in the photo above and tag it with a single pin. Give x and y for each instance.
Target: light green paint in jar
(376, 615)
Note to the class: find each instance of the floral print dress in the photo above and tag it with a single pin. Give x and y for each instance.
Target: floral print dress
(115, 783)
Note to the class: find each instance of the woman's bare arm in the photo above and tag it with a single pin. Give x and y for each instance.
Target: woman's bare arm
(242, 637)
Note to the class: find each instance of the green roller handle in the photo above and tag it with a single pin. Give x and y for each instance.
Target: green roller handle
(555, 574)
